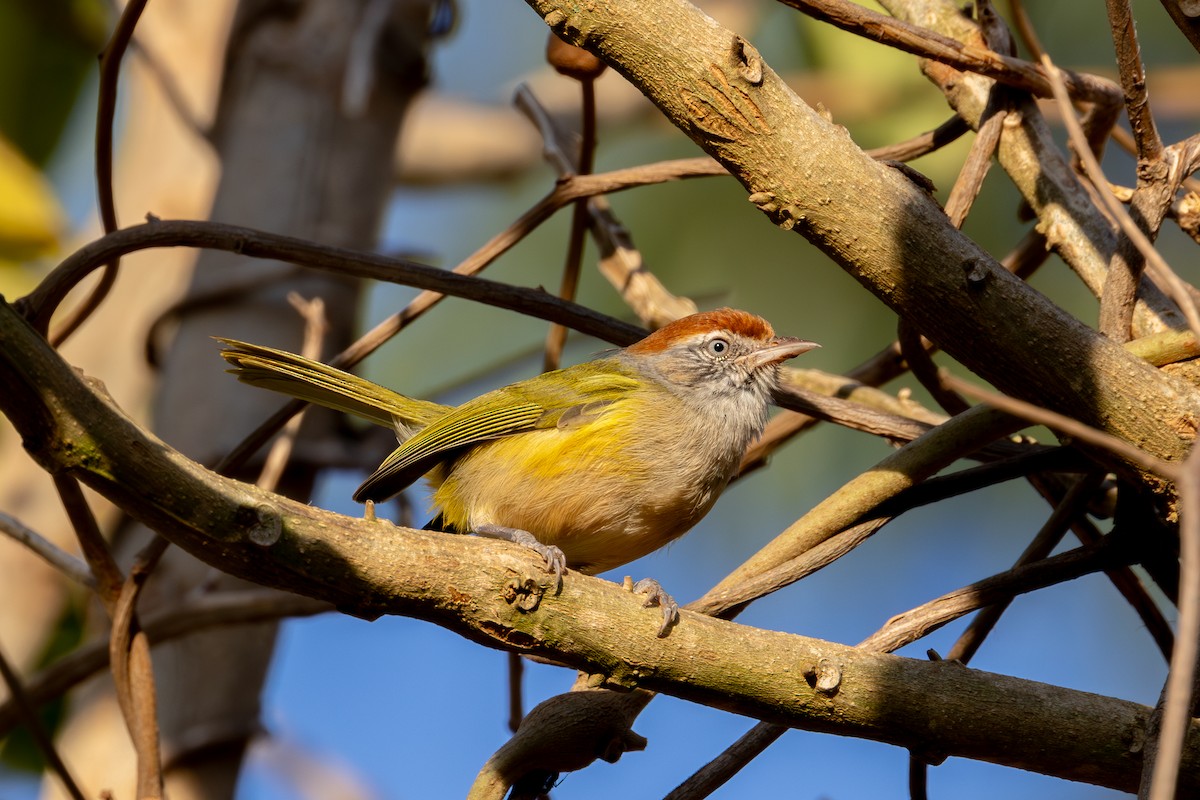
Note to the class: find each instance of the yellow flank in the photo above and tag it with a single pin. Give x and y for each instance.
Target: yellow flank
(605, 461)
(531, 481)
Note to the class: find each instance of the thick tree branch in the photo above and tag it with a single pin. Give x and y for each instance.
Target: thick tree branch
(1072, 224)
(806, 174)
(495, 594)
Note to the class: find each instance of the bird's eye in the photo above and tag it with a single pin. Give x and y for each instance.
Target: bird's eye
(718, 347)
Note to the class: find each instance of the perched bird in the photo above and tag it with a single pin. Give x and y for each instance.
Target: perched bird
(593, 465)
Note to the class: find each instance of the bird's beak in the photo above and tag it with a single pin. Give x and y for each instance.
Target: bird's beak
(780, 348)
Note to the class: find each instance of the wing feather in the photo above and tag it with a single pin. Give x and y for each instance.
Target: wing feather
(571, 396)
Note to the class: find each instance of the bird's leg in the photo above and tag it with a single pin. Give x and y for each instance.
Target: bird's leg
(656, 595)
(556, 562)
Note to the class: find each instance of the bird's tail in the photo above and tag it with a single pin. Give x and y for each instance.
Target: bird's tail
(303, 378)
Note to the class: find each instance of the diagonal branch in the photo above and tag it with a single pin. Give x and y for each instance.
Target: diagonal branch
(930, 44)
(495, 594)
(714, 86)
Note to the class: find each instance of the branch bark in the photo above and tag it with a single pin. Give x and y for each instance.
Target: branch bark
(807, 174)
(496, 594)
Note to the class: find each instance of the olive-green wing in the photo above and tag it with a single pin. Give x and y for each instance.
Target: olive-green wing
(312, 381)
(565, 397)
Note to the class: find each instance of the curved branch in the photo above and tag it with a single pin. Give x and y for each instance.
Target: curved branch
(496, 594)
(260, 244)
(807, 175)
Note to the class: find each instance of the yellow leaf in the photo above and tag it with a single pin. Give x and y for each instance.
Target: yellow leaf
(30, 216)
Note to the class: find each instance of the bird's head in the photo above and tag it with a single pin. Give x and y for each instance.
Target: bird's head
(718, 354)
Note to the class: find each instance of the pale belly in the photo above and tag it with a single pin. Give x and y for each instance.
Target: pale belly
(600, 505)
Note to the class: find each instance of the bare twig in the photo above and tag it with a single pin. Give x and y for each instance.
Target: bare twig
(1188, 24)
(1122, 577)
(1047, 538)
(1133, 80)
(220, 609)
(620, 261)
(133, 673)
(910, 626)
(107, 574)
(1025, 29)
(106, 109)
(923, 144)
(73, 567)
(556, 337)
(1177, 694)
(1158, 266)
(170, 89)
(916, 351)
(42, 301)
(1155, 187)
(922, 42)
(315, 325)
(134, 683)
(1071, 427)
(713, 775)
(29, 716)
(975, 169)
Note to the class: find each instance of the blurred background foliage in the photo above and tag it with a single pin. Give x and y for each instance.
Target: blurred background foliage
(48, 54)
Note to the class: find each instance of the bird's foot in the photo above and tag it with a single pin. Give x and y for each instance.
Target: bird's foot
(556, 562)
(656, 595)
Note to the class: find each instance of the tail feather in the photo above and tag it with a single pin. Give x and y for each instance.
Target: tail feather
(314, 382)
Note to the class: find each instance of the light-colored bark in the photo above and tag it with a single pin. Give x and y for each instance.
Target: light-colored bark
(296, 159)
(499, 595)
(806, 174)
(161, 167)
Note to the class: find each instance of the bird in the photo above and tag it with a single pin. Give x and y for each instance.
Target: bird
(593, 465)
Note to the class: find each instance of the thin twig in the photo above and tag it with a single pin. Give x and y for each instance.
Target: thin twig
(171, 90)
(1122, 577)
(133, 673)
(1133, 80)
(39, 304)
(33, 723)
(929, 44)
(1152, 198)
(916, 350)
(922, 144)
(313, 314)
(1160, 270)
(216, 610)
(107, 574)
(1025, 29)
(728, 603)
(620, 261)
(73, 567)
(713, 775)
(1067, 425)
(906, 628)
(1047, 538)
(979, 159)
(1177, 704)
(135, 688)
(106, 110)
(556, 337)
(1185, 19)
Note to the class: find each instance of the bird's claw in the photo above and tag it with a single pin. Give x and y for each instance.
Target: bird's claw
(556, 560)
(656, 595)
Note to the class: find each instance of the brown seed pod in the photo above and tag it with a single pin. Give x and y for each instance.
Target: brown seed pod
(572, 61)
